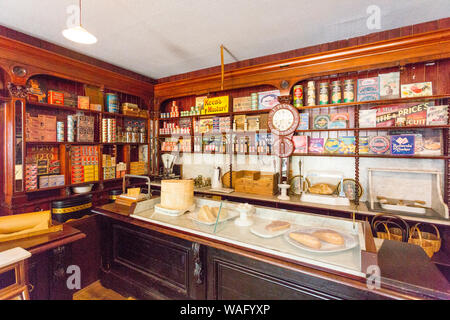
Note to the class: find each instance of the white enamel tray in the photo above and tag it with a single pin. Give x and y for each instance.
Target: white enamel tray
(260, 230)
(350, 241)
(231, 215)
(169, 212)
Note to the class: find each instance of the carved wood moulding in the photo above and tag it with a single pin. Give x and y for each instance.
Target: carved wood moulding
(284, 74)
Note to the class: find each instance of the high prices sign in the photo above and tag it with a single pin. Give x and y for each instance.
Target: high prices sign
(216, 105)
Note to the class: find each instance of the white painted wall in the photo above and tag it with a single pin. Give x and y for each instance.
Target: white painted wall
(412, 186)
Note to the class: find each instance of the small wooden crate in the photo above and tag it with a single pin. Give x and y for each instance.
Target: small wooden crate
(256, 182)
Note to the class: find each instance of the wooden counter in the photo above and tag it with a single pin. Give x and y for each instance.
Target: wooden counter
(51, 254)
(406, 271)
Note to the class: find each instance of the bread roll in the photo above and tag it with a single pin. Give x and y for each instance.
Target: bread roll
(277, 225)
(329, 236)
(223, 213)
(207, 214)
(321, 188)
(306, 239)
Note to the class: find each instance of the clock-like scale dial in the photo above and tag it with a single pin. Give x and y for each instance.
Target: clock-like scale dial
(283, 119)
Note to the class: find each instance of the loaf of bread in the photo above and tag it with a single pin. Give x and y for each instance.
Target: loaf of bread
(306, 239)
(209, 215)
(321, 188)
(329, 236)
(277, 225)
(177, 194)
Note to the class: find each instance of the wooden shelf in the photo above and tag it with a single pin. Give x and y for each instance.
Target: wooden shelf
(83, 143)
(249, 112)
(378, 102)
(377, 128)
(72, 109)
(45, 189)
(53, 106)
(4, 99)
(369, 156)
(120, 115)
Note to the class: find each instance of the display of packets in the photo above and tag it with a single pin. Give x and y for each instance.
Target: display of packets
(31, 177)
(368, 89)
(85, 163)
(402, 144)
(41, 128)
(363, 145)
(138, 168)
(346, 145)
(304, 121)
(85, 128)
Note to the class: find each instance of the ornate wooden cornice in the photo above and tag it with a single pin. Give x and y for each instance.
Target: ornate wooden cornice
(427, 46)
(40, 61)
(17, 91)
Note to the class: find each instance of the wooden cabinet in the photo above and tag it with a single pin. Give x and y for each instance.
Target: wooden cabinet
(234, 277)
(149, 265)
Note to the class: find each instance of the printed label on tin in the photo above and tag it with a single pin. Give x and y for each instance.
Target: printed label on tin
(379, 144)
(402, 144)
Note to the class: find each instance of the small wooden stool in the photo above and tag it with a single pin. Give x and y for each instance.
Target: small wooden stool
(14, 259)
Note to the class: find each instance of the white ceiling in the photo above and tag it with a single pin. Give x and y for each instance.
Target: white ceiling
(159, 38)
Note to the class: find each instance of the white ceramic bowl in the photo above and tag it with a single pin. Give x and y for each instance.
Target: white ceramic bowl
(82, 189)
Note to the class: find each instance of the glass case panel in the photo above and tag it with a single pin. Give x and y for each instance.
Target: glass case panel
(18, 158)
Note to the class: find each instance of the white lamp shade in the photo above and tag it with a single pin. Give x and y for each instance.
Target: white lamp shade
(80, 35)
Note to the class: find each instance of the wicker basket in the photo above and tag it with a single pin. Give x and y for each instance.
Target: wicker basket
(395, 228)
(390, 233)
(431, 238)
(420, 241)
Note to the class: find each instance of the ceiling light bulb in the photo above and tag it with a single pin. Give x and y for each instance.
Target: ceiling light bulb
(80, 35)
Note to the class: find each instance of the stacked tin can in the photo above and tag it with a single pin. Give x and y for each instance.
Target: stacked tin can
(71, 128)
(105, 130)
(323, 93)
(298, 96)
(60, 131)
(254, 101)
(349, 90)
(111, 130)
(336, 93)
(112, 103)
(311, 94)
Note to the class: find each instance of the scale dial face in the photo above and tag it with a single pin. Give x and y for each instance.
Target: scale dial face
(283, 119)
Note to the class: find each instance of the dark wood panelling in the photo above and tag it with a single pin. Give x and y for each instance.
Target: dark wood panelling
(328, 282)
(149, 265)
(86, 252)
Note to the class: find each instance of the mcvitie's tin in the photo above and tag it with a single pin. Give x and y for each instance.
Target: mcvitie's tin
(311, 94)
(323, 93)
(336, 93)
(298, 96)
(349, 90)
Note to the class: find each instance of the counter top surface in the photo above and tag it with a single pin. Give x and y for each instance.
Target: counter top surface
(41, 243)
(406, 271)
(362, 208)
(347, 261)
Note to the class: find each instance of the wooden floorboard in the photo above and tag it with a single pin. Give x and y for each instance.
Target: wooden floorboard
(96, 291)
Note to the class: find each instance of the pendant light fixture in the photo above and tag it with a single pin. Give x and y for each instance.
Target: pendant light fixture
(79, 34)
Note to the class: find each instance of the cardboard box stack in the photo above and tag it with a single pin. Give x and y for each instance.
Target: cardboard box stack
(109, 167)
(41, 128)
(84, 164)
